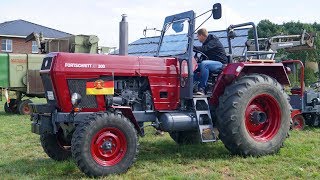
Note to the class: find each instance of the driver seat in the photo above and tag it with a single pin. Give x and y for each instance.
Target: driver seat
(212, 80)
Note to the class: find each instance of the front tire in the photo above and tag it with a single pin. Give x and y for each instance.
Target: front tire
(55, 146)
(254, 116)
(23, 107)
(104, 144)
(312, 119)
(12, 108)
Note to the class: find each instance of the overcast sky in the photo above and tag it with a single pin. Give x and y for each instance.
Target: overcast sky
(101, 17)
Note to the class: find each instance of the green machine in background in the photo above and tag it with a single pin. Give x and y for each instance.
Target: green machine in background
(19, 73)
(73, 44)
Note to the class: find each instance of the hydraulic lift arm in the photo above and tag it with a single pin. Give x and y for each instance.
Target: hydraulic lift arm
(291, 43)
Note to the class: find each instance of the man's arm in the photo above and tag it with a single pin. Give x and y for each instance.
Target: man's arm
(197, 48)
(207, 47)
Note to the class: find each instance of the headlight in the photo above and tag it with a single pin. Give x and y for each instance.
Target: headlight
(75, 99)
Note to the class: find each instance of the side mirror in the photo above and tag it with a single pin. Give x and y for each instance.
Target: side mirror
(216, 11)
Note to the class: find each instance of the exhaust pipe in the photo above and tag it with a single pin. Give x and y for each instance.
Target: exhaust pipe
(123, 36)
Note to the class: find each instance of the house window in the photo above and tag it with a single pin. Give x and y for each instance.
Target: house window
(35, 48)
(6, 45)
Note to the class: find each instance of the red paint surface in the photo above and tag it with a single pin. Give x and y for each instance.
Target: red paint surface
(162, 73)
(263, 132)
(112, 156)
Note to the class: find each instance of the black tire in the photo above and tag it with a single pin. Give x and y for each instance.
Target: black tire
(186, 137)
(312, 119)
(55, 146)
(6, 108)
(23, 107)
(238, 123)
(12, 106)
(102, 135)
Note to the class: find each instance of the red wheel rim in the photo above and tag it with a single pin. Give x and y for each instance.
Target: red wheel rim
(108, 146)
(267, 105)
(298, 122)
(26, 109)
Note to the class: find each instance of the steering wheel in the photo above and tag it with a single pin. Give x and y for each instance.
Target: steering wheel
(199, 56)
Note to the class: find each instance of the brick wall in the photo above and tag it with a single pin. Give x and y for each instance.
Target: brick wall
(19, 45)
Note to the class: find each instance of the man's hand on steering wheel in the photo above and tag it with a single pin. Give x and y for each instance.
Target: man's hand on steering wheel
(202, 56)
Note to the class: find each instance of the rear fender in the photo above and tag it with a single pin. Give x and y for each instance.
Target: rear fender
(235, 70)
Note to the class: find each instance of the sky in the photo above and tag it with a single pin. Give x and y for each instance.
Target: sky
(102, 17)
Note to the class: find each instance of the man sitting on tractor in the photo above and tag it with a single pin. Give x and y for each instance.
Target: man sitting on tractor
(212, 59)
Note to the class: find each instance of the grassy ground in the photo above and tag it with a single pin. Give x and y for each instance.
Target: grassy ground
(21, 157)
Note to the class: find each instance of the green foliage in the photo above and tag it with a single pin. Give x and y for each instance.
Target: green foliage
(268, 29)
(294, 80)
(309, 76)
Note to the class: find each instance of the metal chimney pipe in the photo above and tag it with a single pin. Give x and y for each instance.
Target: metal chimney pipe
(123, 36)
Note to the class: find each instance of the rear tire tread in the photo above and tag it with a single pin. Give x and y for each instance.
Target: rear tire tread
(229, 122)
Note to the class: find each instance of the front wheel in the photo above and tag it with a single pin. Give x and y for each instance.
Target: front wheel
(23, 107)
(55, 146)
(298, 122)
(12, 108)
(312, 119)
(254, 116)
(104, 144)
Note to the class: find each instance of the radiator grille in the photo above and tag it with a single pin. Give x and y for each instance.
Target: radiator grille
(79, 86)
(46, 80)
(46, 63)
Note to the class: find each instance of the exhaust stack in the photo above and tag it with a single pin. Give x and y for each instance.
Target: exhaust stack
(123, 36)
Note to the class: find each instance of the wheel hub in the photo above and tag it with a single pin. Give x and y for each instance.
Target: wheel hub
(262, 117)
(258, 117)
(107, 145)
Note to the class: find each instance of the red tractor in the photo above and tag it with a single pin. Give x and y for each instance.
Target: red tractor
(97, 104)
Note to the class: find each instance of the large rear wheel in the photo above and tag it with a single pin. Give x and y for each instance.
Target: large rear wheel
(254, 116)
(104, 144)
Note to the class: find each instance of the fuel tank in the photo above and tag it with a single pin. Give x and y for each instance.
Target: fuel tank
(178, 121)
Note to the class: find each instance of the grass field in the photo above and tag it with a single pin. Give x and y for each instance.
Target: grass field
(21, 157)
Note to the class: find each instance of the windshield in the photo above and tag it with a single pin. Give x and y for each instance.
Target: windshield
(175, 38)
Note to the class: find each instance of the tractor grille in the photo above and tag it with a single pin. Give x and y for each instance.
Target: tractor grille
(46, 63)
(46, 80)
(79, 86)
